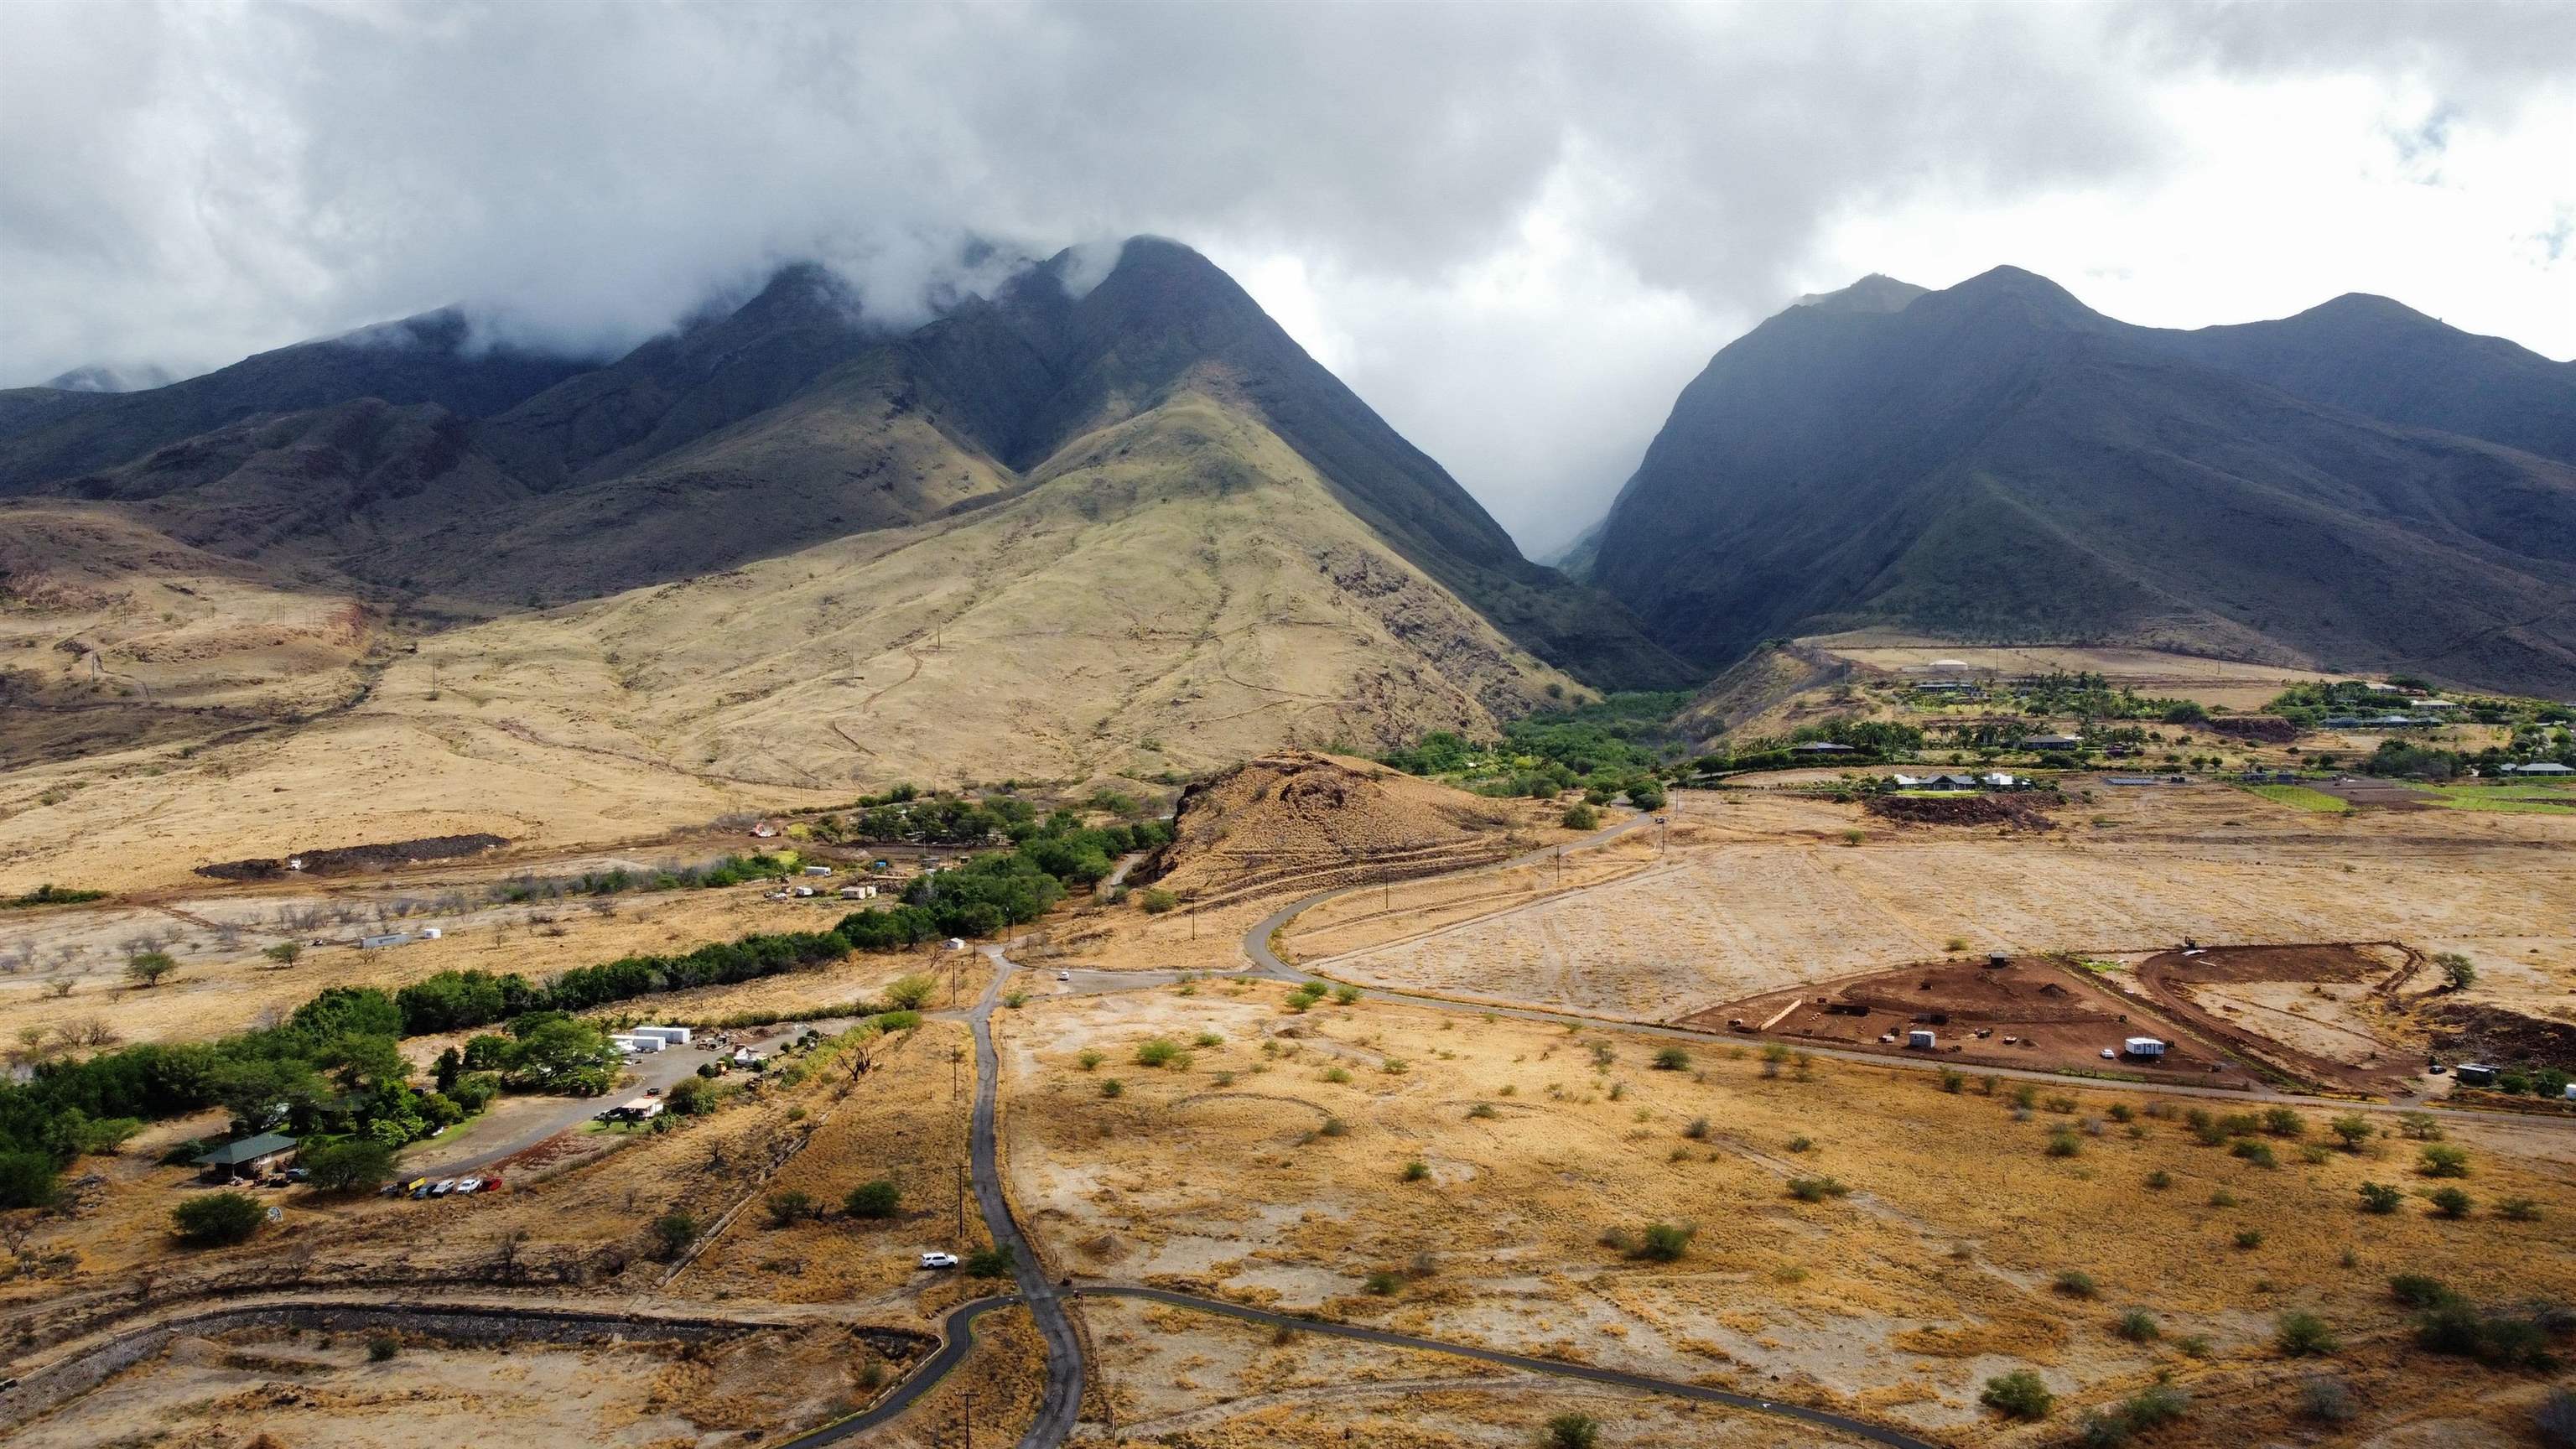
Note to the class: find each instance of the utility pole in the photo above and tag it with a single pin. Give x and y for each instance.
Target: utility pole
(961, 1205)
(970, 1417)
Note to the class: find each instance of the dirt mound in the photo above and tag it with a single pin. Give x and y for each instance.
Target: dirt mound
(2269, 729)
(2014, 812)
(2462, 1032)
(1298, 816)
(354, 859)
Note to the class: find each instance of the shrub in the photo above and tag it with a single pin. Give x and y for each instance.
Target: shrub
(1113, 1088)
(218, 1219)
(1155, 1052)
(2153, 1408)
(1416, 1170)
(2258, 1153)
(1482, 1110)
(1672, 1059)
(1953, 1080)
(2159, 1180)
(1383, 1283)
(2327, 1400)
(1664, 1242)
(2555, 1419)
(2075, 1283)
(1580, 817)
(2138, 1326)
(2284, 1122)
(1336, 1075)
(788, 1207)
(1801, 1143)
(382, 1347)
(911, 992)
(1208, 1041)
(2450, 1202)
(1697, 1131)
(2519, 1210)
(2303, 1335)
(2419, 1290)
(2354, 1129)
(2440, 1160)
(1088, 1059)
(673, 1232)
(1573, 1431)
(2018, 1395)
(1816, 1189)
(1345, 994)
(2380, 1198)
(1156, 900)
(2502, 1340)
(2064, 1143)
(2248, 1239)
(989, 1263)
(877, 1199)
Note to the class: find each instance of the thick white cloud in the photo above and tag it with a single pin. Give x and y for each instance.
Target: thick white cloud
(1516, 229)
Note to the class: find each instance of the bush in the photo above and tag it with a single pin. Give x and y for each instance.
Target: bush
(2380, 1198)
(1580, 817)
(2555, 1420)
(1416, 1170)
(2159, 1180)
(1345, 994)
(789, 1207)
(2153, 1408)
(2501, 1340)
(2284, 1122)
(1573, 1431)
(2138, 1326)
(2440, 1160)
(1113, 1088)
(672, 1234)
(2248, 1239)
(1664, 1242)
(2327, 1400)
(2450, 1202)
(1672, 1059)
(1087, 1059)
(2064, 1143)
(2018, 1395)
(2258, 1153)
(1383, 1283)
(1816, 1189)
(1697, 1131)
(989, 1263)
(2353, 1128)
(1156, 900)
(382, 1346)
(1953, 1081)
(2075, 1283)
(2419, 1290)
(2519, 1210)
(1155, 1052)
(2303, 1335)
(27, 1180)
(878, 1199)
(911, 991)
(218, 1219)
(356, 1165)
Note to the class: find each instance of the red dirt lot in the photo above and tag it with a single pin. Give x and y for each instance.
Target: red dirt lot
(2029, 1012)
(2374, 794)
(2167, 980)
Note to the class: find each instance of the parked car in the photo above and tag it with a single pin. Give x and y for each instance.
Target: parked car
(465, 1185)
(492, 1183)
(445, 1186)
(420, 1187)
(652, 1091)
(939, 1260)
(299, 1174)
(1064, 976)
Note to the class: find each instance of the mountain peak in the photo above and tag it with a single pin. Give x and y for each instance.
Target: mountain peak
(1876, 292)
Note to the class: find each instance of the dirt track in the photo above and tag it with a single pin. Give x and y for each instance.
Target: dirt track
(2166, 979)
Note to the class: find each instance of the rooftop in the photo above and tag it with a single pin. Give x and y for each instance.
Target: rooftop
(233, 1154)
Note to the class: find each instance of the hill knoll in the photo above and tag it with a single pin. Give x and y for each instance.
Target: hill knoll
(1998, 462)
(1303, 819)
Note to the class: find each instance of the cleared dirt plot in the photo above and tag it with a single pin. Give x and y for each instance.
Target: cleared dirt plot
(318, 1390)
(2327, 1016)
(1847, 1236)
(1172, 1375)
(2230, 682)
(1763, 891)
(2026, 1013)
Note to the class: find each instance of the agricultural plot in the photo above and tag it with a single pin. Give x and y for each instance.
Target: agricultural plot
(2300, 797)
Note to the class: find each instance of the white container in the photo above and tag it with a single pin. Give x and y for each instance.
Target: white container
(2143, 1046)
(1920, 1041)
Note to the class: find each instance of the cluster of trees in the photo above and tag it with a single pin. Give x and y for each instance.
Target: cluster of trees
(2410, 760)
(1602, 744)
(463, 1000)
(335, 1069)
(2087, 695)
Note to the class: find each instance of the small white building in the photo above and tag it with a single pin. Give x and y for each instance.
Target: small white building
(431, 933)
(858, 892)
(390, 938)
(674, 1035)
(746, 1057)
(2000, 780)
(818, 870)
(637, 1109)
(2143, 1046)
(637, 1046)
(1918, 1040)
(2549, 769)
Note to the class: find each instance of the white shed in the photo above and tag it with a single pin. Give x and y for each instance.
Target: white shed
(2143, 1046)
(674, 1035)
(1918, 1040)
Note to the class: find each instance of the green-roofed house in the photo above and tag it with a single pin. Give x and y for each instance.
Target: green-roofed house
(248, 1159)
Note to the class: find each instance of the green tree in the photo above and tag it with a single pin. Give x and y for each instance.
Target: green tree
(910, 992)
(789, 1207)
(218, 1219)
(2303, 1335)
(284, 952)
(1573, 1431)
(27, 1180)
(1646, 794)
(146, 968)
(877, 1199)
(673, 1232)
(2018, 1395)
(354, 1165)
(2457, 970)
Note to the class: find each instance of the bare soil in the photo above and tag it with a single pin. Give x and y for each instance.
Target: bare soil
(2013, 812)
(2179, 981)
(353, 859)
(2030, 1012)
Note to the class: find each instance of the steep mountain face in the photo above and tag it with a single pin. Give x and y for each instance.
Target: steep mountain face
(408, 461)
(1996, 461)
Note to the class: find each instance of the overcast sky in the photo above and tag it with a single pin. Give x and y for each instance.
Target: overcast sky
(1517, 230)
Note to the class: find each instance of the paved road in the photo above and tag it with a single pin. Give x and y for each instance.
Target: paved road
(1062, 1399)
(1266, 962)
(1874, 1433)
(476, 1150)
(957, 1339)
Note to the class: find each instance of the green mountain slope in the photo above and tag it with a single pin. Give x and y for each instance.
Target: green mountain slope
(1998, 462)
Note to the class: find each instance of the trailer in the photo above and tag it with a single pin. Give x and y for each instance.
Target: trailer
(674, 1035)
(2145, 1047)
(1918, 1040)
